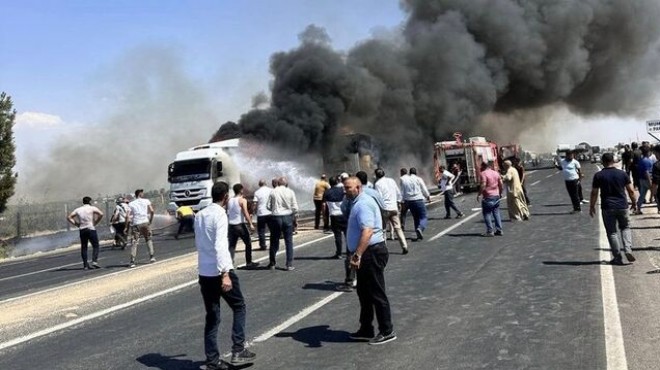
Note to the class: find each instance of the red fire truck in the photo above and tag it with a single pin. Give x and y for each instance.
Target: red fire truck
(465, 157)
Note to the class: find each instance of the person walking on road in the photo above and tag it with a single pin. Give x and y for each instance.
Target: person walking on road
(118, 221)
(239, 220)
(644, 168)
(263, 214)
(517, 164)
(218, 280)
(86, 217)
(333, 198)
(571, 170)
(415, 195)
(319, 206)
(391, 195)
(515, 197)
(366, 240)
(613, 184)
(283, 205)
(490, 188)
(446, 185)
(140, 216)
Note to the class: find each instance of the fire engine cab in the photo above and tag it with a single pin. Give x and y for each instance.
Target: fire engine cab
(464, 158)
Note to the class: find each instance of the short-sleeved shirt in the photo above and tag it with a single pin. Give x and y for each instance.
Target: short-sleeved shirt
(364, 213)
(85, 216)
(261, 196)
(139, 211)
(569, 169)
(490, 181)
(645, 166)
(319, 188)
(612, 184)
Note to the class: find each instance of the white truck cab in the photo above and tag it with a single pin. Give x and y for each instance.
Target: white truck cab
(194, 171)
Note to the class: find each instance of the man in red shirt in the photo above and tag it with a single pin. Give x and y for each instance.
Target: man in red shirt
(490, 187)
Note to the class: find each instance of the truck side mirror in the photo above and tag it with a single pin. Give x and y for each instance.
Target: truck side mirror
(218, 168)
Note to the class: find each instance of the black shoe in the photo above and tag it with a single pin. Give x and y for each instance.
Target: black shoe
(382, 339)
(338, 257)
(86, 267)
(460, 215)
(272, 266)
(243, 357)
(263, 248)
(447, 217)
(420, 236)
(630, 257)
(498, 233)
(404, 250)
(176, 236)
(252, 265)
(220, 365)
(346, 288)
(362, 336)
(617, 261)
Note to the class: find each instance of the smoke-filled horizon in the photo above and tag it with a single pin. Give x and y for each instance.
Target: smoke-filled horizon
(483, 67)
(456, 61)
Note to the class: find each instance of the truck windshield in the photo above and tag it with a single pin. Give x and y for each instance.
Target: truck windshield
(190, 170)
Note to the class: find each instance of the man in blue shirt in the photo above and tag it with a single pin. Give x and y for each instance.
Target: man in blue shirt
(613, 184)
(644, 168)
(365, 239)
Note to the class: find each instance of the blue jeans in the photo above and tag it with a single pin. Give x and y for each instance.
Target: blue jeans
(262, 223)
(281, 225)
(612, 217)
(490, 208)
(418, 210)
(211, 287)
(644, 186)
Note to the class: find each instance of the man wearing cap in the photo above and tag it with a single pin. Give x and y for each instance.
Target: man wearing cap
(319, 207)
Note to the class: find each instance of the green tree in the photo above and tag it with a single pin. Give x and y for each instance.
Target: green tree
(7, 150)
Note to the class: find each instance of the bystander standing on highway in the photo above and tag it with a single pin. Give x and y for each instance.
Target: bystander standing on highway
(365, 239)
(391, 195)
(612, 184)
(118, 221)
(490, 188)
(320, 210)
(333, 198)
(263, 214)
(644, 168)
(517, 164)
(140, 215)
(570, 169)
(218, 280)
(515, 197)
(655, 176)
(415, 194)
(86, 217)
(239, 221)
(283, 205)
(446, 185)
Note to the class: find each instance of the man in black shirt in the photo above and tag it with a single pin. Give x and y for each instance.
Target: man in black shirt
(613, 184)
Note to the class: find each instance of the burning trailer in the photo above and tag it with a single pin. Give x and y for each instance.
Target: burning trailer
(352, 153)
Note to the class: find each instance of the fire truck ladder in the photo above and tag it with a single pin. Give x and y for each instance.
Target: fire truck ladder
(469, 163)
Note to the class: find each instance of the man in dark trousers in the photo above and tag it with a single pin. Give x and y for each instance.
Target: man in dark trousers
(218, 280)
(86, 218)
(613, 185)
(366, 241)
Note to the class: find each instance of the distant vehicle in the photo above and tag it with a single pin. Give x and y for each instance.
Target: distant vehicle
(468, 156)
(596, 158)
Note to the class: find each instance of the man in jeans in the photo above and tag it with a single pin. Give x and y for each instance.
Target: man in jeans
(490, 187)
(613, 185)
(218, 280)
(415, 195)
(283, 205)
(644, 168)
(86, 218)
(263, 214)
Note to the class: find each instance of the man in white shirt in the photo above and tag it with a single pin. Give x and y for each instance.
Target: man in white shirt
(571, 170)
(414, 193)
(283, 206)
(140, 215)
(86, 218)
(446, 186)
(391, 195)
(263, 214)
(218, 280)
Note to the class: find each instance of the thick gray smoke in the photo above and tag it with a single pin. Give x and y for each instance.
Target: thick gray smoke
(455, 62)
(156, 110)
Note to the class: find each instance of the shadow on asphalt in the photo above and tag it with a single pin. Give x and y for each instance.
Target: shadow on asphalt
(315, 258)
(551, 214)
(644, 227)
(314, 336)
(465, 234)
(558, 205)
(637, 249)
(163, 362)
(574, 263)
(325, 286)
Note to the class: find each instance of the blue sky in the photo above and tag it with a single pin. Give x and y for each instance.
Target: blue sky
(57, 54)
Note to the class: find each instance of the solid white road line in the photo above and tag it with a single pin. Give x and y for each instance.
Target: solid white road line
(530, 172)
(38, 272)
(297, 317)
(535, 183)
(445, 231)
(614, 348)
(550, 175)
(112, 309)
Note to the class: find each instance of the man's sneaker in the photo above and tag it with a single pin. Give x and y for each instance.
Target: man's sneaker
(338, 256)
(354, 283)
(576, 211)
(346, 288)
(460, 215)
(420, 236)
(487, 235)
(243, 357)
(584, 201)
(382, 339)
(152, 259)
(220, 365)
(327, 231)
(131, 264)
(290, 268)
(96, 265)
(498, 232)
(362, 336)
(616, 261)
(86, 267)
(252, 265)
(630, 257)
(447, 217)
(404, 250)
(272, 266)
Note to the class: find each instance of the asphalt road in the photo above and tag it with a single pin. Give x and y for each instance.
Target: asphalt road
(531, 299)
